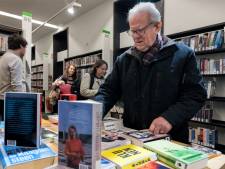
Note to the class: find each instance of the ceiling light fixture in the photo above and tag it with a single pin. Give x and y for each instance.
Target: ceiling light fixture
(72, 4)
(33, 20)
(70, 10)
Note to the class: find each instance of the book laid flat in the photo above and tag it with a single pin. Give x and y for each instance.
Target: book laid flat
(112, 139)
(177, 156)
(128, 156)
(80, 134)
(139, 137)
(153, 165)
(22, 119)
(14, 157)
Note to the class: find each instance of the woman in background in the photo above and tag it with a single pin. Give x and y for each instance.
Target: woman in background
(91, 82)
(61, 85)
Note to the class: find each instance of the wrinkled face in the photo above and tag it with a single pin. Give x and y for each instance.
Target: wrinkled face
(71, 70)
(101, 70)
(143, 31)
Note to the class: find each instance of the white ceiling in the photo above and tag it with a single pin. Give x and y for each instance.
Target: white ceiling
(43, 10)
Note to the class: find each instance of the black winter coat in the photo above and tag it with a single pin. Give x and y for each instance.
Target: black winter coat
(170, 86)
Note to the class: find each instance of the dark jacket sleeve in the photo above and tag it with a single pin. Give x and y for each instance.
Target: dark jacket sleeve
(192, 94)
(110, 91)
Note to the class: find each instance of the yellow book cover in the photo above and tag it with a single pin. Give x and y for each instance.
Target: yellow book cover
(129, 156)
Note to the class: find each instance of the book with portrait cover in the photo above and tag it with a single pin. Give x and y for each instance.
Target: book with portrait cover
(129, 156)
(177, 156)
(79, 143)
(14, 157)
(22, 119)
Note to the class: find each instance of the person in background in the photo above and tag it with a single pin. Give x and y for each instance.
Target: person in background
(11, 68)
(61, 85)
(157, 79)
(73, 148)
(89, 87)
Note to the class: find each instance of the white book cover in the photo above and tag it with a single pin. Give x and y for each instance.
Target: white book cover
(79, 134)
(22, 119)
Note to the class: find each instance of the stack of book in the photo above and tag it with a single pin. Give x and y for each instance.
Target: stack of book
(177, 156)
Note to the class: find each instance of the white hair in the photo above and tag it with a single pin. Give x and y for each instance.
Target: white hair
(145, 7)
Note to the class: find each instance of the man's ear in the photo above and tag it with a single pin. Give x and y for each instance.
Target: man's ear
(158, 26)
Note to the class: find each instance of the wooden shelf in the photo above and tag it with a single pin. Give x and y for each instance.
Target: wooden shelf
(216, 123)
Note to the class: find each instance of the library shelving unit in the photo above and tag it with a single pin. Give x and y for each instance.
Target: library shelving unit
(84, 62)
(37, 78)
(120, 10)
(209, 47)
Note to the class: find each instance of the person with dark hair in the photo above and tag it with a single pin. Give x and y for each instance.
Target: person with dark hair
(73, 148)
(158, 79)
(11, 68)
(88, 88)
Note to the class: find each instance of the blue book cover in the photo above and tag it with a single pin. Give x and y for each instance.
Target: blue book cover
(79, 134)
(13, 155)
(22, 119)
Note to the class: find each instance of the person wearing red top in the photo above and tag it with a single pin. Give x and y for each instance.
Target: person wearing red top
(73, 148)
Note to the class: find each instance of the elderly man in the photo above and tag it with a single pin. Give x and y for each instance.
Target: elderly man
(157, 79)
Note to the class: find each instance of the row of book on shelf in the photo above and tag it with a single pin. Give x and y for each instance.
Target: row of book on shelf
(205, 114)
(81, 143)
(204, 41)
(210, 66)
(85, 60)
(37, 76)
(203, 136)
(35, 69)
(3, 42)
(38, 83)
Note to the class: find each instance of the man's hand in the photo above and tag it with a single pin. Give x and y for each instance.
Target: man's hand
(160, 126)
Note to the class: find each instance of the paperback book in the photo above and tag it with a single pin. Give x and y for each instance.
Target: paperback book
(128, 156)
(14, 157)
(177, 156)
(79, 143)
(22, 119)
(139, 137)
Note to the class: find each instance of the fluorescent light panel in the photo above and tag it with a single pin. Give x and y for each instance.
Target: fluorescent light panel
(33, 20)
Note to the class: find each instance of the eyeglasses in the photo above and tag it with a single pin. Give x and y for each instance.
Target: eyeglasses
(140, 31)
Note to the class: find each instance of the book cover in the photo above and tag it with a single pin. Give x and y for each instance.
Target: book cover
(112, 139)
(177, 156)
(139, 137)
(23, 157)
(22, 119)
(79, 134)
(152, 165)
(128, 156)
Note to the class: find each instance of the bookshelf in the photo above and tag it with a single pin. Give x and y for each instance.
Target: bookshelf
(37, 78)
(84, 62)
(209, 47)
